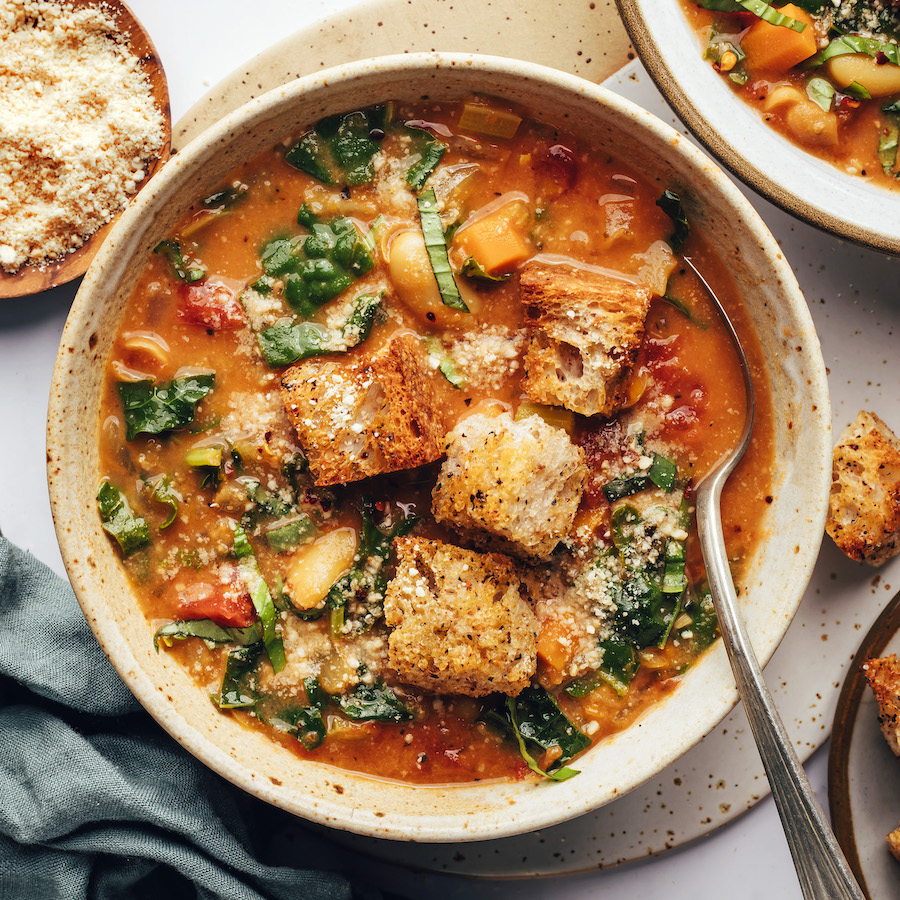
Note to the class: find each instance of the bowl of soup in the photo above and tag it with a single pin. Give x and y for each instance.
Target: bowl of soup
(799, 101)
(373, 439)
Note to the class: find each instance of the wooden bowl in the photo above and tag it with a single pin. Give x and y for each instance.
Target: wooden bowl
(774, 579)
(32, 279)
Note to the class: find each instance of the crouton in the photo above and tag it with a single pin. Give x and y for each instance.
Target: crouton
(518, 482)
(893, 842)
(883, 676)
(864, 511)
(585, 330)
(367, 414)
(460, 623)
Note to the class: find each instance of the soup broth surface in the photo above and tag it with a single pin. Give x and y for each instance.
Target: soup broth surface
(268, 578)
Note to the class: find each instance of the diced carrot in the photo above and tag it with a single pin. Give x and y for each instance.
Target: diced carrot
(496, 240)
(773, 48)
(554, 644)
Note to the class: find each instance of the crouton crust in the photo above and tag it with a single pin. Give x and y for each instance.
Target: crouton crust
(893, 842)
(585, 330)
(460, 623)
(370, 414)
(864, 510)
(883, 676)
(512, 485)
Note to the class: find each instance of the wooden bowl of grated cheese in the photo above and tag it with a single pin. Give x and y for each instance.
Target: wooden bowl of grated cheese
(86, 122)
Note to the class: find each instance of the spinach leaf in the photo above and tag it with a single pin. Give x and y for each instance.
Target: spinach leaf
(534, 717)
(154, 409)
(305, 723)
(172, 251)
(374, 703)
(366, 578)
(316, 695)
(340, 149)
(683, 308)
(617, 669)
(225, 198)
(288, 535)
(662, 472)
(239, 683)
(161, 491)
(131, 531)
(287, 342)
(436, 247)
(208, 631)
(670, 204)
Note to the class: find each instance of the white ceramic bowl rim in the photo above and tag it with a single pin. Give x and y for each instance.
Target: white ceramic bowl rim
(344, 799)
(803, 185)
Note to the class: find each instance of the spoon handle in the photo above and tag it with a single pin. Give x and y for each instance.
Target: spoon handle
(821, 867)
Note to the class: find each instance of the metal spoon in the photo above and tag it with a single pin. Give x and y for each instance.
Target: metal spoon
(821, 867)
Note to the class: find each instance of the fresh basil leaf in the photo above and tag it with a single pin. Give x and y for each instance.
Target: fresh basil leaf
(130, 531)
(821, 91)
(854, 43)
(670, 204)
(436, 247)
(154, 409)
(857, 90)
(373, 703)
(473, 269)
(208, 631)
(759, 9)
(428, 152)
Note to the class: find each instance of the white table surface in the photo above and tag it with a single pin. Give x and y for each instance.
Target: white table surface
(200, 41)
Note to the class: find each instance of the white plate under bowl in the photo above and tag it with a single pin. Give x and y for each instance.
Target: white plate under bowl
(775, 578)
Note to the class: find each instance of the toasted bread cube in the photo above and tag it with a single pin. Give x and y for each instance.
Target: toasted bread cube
(864, 511)
(365, 415)
(513, 484)
(585, 330)
(893, 842)
(460, 623)
(883, 676)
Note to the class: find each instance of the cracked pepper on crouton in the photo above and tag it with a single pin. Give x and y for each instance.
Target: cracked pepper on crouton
(371, 414)
(519, 482)
(883, 676)
(864, 511)
(459, 622)
(585, 330)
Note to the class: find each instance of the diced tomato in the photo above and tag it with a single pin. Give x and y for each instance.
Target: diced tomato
(210, 305)
(227, 604)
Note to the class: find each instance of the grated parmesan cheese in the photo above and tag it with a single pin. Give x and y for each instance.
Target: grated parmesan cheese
(77, 125)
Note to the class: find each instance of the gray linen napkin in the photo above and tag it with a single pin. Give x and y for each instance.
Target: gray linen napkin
(96, 801)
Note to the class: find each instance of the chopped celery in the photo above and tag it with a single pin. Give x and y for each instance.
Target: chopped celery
(489, 121)
(197, 457)
(436, 245)
(552, 415)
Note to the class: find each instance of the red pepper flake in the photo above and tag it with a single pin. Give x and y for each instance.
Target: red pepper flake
(881, 58)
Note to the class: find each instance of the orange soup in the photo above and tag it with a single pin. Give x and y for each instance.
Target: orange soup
(399, 437)
(825, 75)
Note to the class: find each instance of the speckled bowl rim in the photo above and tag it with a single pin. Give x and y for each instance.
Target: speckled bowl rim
(359, 803)
(779, 170)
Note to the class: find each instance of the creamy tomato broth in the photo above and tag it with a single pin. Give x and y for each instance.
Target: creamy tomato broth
(398, 441)
(825, 75)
